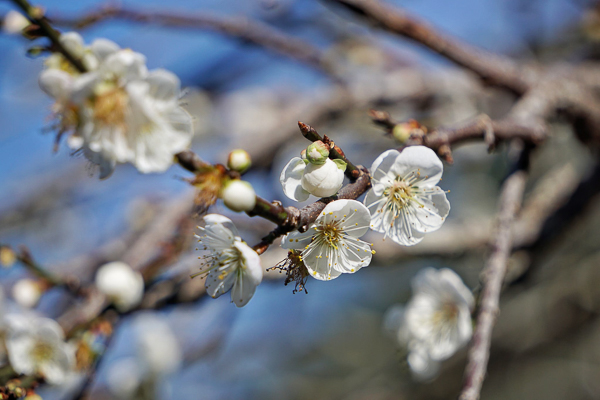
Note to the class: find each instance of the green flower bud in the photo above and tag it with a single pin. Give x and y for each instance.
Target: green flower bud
(317, 153)
(402, 132)
(239, 160)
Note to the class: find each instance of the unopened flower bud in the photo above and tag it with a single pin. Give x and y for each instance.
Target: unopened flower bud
(401, 132)
(239, 160)
(322, 180)
(121, 284)
(7, 256)
(317, 153)
(404, 130)
(27, 292)
(303, 154)
(239, 196)
(14, 23)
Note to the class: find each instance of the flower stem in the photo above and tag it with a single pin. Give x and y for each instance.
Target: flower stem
(36, 16)
(25, 258)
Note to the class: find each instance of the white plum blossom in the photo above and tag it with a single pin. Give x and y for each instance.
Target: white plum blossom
(300, 179)
(232, 264)
(27, 292)
(405, 202)
(331, 245)
(37, 345)
(239, 195)
(439, 313)
(121, 284)
(118, 111)
(435, 323)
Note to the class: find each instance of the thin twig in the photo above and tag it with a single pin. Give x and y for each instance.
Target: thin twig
(309, 213)
(36, 16)
(442, 139)
(493, 276)
(245, 29)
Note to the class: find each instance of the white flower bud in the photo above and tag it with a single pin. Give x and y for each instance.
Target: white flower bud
(14, 23)
(239, 160)
(121, 284)
(317, 153)
(322, 180)
(239, 196)
(27, 292)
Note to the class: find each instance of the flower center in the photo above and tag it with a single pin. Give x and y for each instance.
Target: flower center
(447, 314)
(399, 193)
(110, 107)
(329, 234)
(295, 270)
(41, 352)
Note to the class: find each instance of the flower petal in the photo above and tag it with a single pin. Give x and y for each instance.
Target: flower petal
(58, 367)
(218, 283)
(73, 42)
(431, 215)
(164, 85)
(56, 83)
(421, 159)
(354, 255)
(398, 227)
(354, 215)
(298, 240)
(380, 171)
(421, 365)
(220, 232)
(290, 179)
(322, 180)
(19, 345)
(248, 278)
(319, 262)
(102, 48)
(125, 64)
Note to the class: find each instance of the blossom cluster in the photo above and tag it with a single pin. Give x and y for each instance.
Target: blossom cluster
(117, 111)
(404, 203)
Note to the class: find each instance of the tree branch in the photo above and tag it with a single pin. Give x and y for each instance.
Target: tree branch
(493, 276)
(245, 29)
(492, 68)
